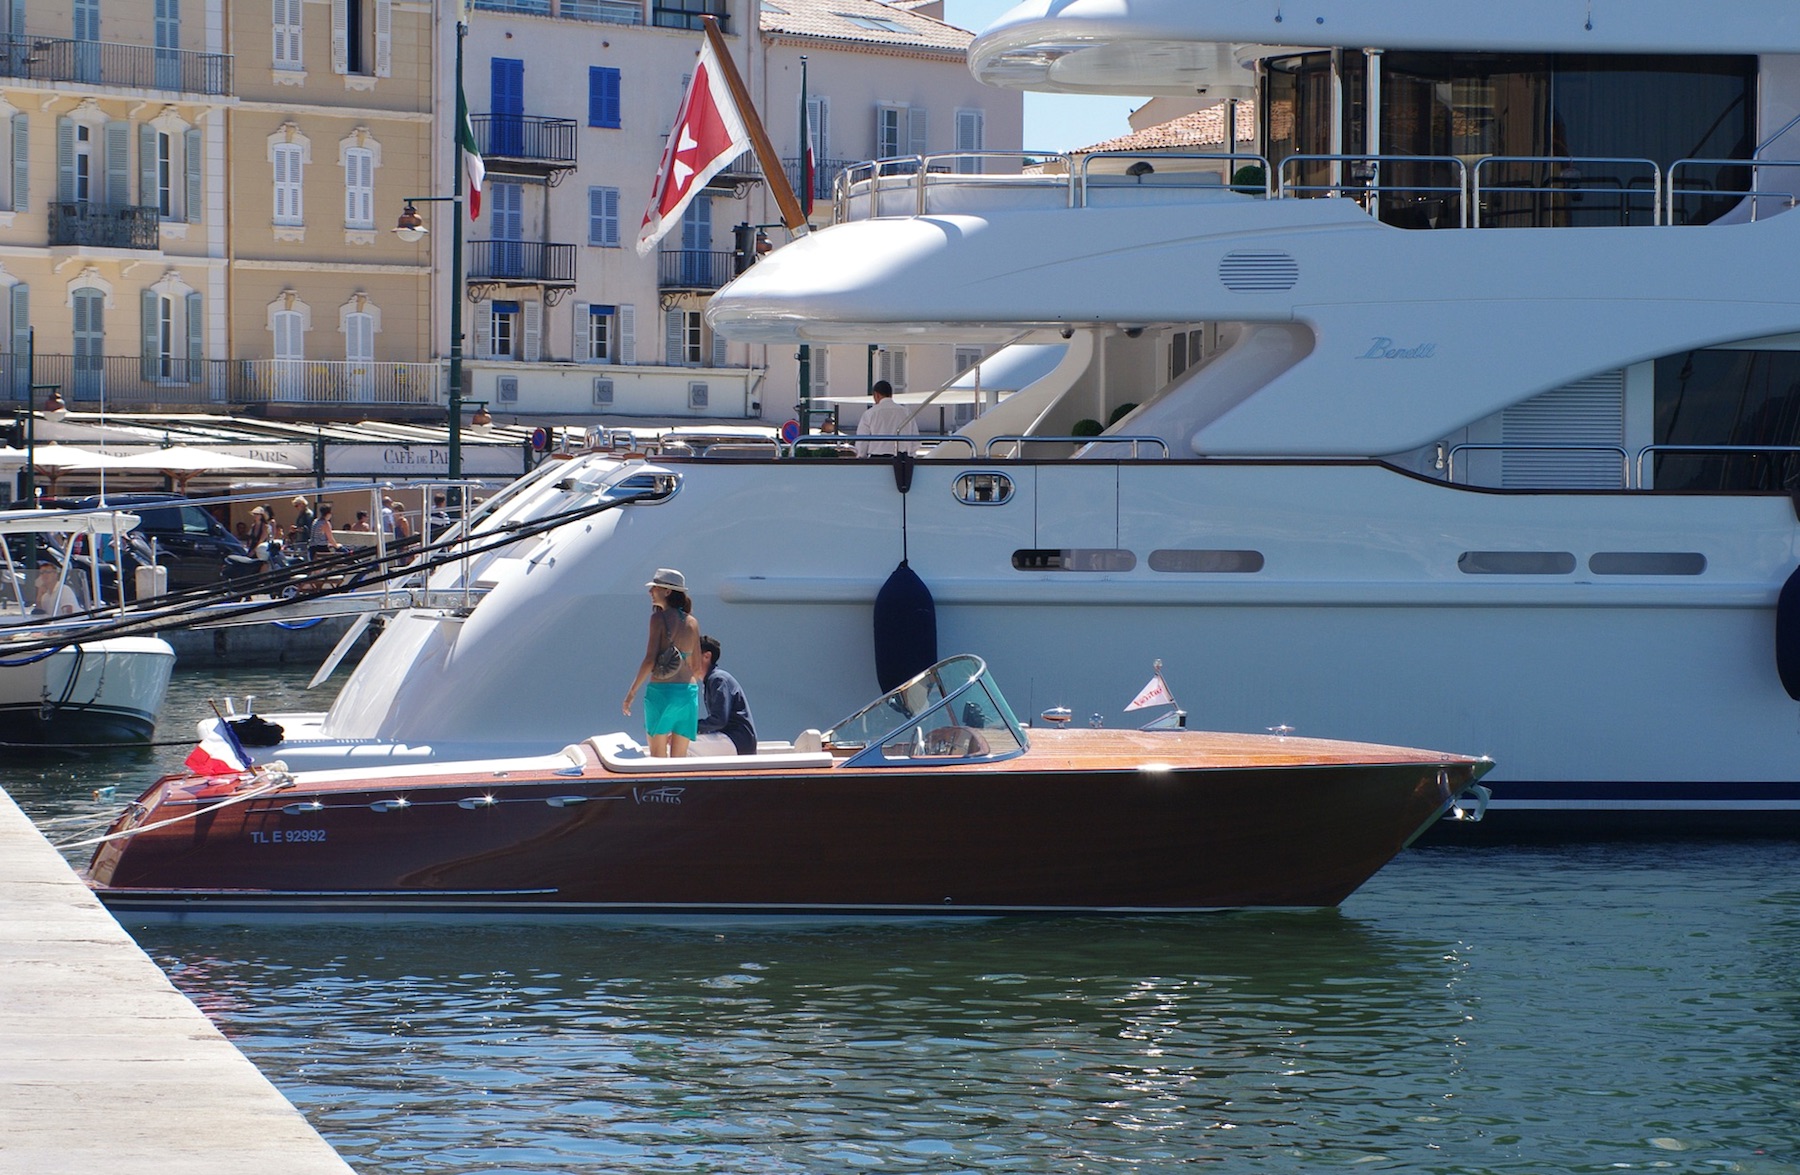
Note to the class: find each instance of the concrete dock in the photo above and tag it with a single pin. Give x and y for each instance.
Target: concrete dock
(104, 1065)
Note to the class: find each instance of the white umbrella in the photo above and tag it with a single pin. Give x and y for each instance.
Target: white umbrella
(183, 462)
(54, 456)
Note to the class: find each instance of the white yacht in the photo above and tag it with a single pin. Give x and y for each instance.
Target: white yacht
(1460, 409)
(57, 689)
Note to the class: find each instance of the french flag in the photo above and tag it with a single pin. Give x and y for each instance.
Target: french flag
(232, 758)
(202, 761)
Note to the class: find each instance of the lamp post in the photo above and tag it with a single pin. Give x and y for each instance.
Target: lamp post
(411, 228)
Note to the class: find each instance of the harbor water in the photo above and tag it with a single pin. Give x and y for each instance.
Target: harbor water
(1509, 1009)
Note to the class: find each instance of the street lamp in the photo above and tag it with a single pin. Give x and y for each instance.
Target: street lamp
(411, 229)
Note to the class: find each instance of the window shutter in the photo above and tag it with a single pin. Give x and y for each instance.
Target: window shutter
(65, 159)
(340, 36)
(718, 349)
(384, 38)
(118, 163)
(821, 371)
(21, 162)
(603, 96)
(190, 152)
(484, 332)
(533, 313)
(818, 117)
(196, 328)
(582, 334)
(150, 304)
(915, 130)
(147, 193)
(673, 328)
(626, 350)
(21, 339)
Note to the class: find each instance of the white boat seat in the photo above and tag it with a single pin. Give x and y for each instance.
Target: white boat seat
(623, 754)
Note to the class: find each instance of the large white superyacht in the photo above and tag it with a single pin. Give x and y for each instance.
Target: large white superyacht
(1460, 409)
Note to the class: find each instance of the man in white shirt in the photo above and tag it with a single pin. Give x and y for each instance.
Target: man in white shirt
(883, 418)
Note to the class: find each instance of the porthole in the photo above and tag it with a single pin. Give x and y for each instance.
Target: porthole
(1515, 563)
(982, 488)
(1112, 559)
(1199, 561)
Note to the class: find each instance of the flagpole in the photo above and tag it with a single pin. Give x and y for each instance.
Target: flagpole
(806, 185)
(456, 272)
(791, 215)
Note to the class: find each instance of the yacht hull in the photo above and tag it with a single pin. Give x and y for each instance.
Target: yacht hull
(107, 691)
(1342, 599)
(1150, 823)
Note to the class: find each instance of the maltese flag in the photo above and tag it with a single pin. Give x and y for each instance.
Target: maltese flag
(1154, 694)
(709, 133)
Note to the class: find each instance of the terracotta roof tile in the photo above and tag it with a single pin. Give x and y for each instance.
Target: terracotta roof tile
(1201, 129)
(867, 21)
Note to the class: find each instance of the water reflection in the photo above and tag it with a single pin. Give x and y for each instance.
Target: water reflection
(1068, 1042)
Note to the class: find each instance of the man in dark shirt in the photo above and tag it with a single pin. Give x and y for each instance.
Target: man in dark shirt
(726, 715)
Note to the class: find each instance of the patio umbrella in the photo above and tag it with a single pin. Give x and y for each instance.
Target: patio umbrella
(182, 463)
(54, 460)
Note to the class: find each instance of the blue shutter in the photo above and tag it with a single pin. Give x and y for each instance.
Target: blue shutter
(603, 96)
(506, 132)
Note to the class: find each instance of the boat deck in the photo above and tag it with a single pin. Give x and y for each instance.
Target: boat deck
(104, 1065)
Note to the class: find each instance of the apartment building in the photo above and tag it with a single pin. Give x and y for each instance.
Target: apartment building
(572, 101)
(193, 209)
(196, 198)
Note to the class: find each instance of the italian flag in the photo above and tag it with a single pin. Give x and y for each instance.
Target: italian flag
(471, 156)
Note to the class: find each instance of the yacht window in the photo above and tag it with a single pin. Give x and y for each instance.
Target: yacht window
(1515, 563)
(1587, 112)
(1728, 420)
(1202, 561)
(1074, 559)
(1647, 563)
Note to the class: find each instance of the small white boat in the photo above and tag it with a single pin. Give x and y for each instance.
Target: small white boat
(100, 690)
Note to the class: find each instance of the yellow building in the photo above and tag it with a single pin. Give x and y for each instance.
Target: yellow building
(195, 208)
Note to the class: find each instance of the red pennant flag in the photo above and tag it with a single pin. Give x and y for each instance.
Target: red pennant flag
(1156, 693)
(709, 133)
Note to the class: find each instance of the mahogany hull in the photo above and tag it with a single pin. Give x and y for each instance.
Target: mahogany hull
(937, 841)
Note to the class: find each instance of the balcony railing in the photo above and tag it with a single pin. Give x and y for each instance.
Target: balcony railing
(825, 173)
(315, 381)
(604, 11)
(694, 269)
(525, 138)
(107, 63)
(520, 263)
(686, 14)
(107, 226)
(124, 381)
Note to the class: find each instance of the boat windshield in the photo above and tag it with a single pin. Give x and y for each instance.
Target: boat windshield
(952, 712)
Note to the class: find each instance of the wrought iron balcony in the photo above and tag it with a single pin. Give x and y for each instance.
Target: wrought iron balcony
(525, 143)
(88, 381)
(494, 264)
(825, 173)
(107, 63)
(105, 226)
(694, 270)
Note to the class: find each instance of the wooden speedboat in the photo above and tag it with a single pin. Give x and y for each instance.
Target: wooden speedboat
(933, 800)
